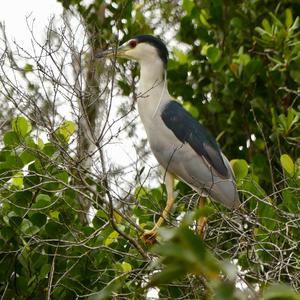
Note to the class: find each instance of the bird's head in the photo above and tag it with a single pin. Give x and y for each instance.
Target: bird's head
(143, 48)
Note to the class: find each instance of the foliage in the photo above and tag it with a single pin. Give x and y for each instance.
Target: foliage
(45, 249)
(236, 69)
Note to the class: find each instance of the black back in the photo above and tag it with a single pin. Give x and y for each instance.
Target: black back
(188, 130)
(157, 43)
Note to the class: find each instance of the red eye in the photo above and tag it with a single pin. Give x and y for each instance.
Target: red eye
(132, 43)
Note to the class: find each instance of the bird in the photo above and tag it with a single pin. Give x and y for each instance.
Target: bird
(183, 147)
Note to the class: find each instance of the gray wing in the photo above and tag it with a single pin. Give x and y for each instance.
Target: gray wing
(188, 130)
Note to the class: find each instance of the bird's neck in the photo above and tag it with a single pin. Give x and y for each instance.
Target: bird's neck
(153, 90)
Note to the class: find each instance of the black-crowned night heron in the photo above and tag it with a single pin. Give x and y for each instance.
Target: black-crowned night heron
(182, 146)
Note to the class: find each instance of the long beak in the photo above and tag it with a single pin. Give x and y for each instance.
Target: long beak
(119, 52)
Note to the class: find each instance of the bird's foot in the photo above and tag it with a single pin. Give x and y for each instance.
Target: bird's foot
(201, 224)
(149, 237)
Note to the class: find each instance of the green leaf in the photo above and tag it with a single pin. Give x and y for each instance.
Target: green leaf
(276, 20)
(240, 168)
(42, 201)
(250, 184)
(38, 219)
(99, 219)
(28, 68)
(7, 268)
(287, 122)
(66, 129)
(290, 201)
(288, 18)
(188, 5)
(181, 57)
(49, 149)
(21, 126)
(203, 18)
(54, 228)
(237, 23)
(54, 214)
(22, 284)
(280, 292)
(43, 197)
(15, 221)
(266, 25)
(14, 161)
(294, 27)
(11, 139)
(252, 69)
(40, 143)
(224, 290)
(192, 109)
(44, 271)
(126, 267)
(267, 215)
(295, 74)
(17, 180)
(244, 59)
(27, 157)
(287, 163)
(28, 228)
(267, 36)
(213, 54)
(107, 291)
(185, 251)
(167, 275)
(111, 238)
(63, 176)
(7, 233)
(29, 142)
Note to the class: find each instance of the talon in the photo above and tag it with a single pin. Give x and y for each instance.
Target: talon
(149, 237)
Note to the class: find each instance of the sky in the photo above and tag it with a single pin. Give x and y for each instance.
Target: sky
(14, 14)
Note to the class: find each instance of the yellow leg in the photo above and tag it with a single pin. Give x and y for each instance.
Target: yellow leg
(201, 223)
(149, 236)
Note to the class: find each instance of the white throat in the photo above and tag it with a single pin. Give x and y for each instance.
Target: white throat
(153, 91)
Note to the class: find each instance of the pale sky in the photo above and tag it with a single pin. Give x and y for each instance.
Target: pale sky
(14, 13)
